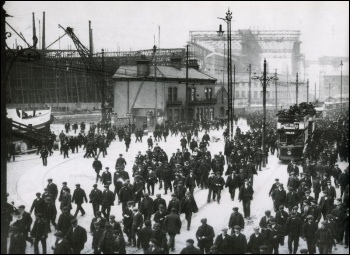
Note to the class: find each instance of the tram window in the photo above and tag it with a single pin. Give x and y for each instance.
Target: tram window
(283, 138)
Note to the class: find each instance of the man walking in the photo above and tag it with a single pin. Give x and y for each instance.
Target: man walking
(172, 225)
(246, 195)
(76, 237)
(205, 236)
(78, 197)
(293, 229)
(95, 198)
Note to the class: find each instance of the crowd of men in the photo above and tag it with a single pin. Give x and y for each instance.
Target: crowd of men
(149, 223)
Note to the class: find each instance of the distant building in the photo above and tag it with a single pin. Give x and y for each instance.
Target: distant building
(154, 97)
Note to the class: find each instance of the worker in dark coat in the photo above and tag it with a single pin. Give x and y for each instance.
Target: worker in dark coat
(292, 199)
(160, 236)
(97, 165)
(78, 197)
(50, 213)
(172, 225)
(127, 220)
(137, 223)
(154, 247)
(95, 197)
(246, 195)
(61, 246)
(96, 236)
(256, 240)
(126, 194)
(174, 203)
(76, 237)
(158, 201)
(279, 197)
(324, 239)
(17, 242)
(232, 184)
(106, 177)
(239, 241)
(24, 223)
(107, 200)
(64, 221)
(224, 242)
(146, 207)
(326, 204)
(190, 249)
(236, 218)
(264, 221)
(273, 237)
(145, 235)
(218, 185)
(38, 204)
(308, 234)
(205, 236)
(293, 229)
(188, 206)
(39, 233)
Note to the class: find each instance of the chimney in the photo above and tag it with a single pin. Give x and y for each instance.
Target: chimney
(142, 66)
(176, 61)
(193, 63)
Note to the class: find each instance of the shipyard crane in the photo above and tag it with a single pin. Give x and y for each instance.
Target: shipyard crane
(97, 74)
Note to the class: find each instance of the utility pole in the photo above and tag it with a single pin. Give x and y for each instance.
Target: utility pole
(297, 83)
(307, 91)
(250, 86)
(276, 90)
(228, 19)
(264, 80)
(341, 86)
(155, 83)
(5, 133)
(233, 99)
(187, 94)
(43, 35)
(264, 117)
(34, 30)
(315, 93)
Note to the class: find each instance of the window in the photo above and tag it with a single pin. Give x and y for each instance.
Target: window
(176, 115)
(182, 117)
(175, 94)
(206, 93)
(237, 94)
(211, 113)
(170, 114)
(210, 92)
(193, 94)
(188, 94)
(255, 94)
(170, 94)
(243, 94)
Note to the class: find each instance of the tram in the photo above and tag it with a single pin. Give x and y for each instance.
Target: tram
(294, 131)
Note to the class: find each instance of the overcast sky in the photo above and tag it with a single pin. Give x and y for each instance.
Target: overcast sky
(324, 26)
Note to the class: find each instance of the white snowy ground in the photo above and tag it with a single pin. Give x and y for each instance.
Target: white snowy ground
(27, 175)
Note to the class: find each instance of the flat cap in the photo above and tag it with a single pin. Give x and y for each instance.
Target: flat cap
(21, 206)
(263, 247)
(190, 241)
(204, 220)
(281, 206)
(235, 208)
(309, 217)
(130, 203)
(214, 247)
(50, 179)
(95, 185)
(277, 179)
(237, 227)
(304, 251)
(224, 229)
(74, 221)
(59, 234)
(40, 215)
(64, 183)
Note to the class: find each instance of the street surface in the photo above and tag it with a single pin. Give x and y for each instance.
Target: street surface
(27, 175)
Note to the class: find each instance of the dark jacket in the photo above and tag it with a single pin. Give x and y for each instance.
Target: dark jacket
(62, 248)
(95, 196)
(159, 216)
(157, 202)
(174, 204)
(64, 223)
(236, 218)
(17, 244)
(39, 229)
(224, 244)
(255, 242)
(239, 244)
(309, 231)
(38, 205)
(172, 224)
(107, 198)
(53, 189)
(245, 193)
(293, 226)
(137, 221)
(192, 250)
(77, 238)
(145, 235)
(79, 196)
(208, 232)
(50, 211)
(146, 206)
(188, 205)
(97, 234)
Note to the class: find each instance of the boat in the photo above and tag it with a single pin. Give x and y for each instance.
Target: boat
(38, 118)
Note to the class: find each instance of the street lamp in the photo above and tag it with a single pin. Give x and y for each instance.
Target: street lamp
(230, 106)
(264, 81)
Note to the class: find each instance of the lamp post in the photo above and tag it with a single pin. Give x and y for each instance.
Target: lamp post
(341, 86)
(230, 106)
(264, 81)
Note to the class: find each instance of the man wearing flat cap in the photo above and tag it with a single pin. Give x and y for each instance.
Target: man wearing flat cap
(236, 218)
(205, 236)
(38, 204)
(255, 241)
(78, 197)
(326, 204)
(308, 234)
(95, 197)
(39, 233)
(293, 229)
(52, 189)
(224, 242)
(190, 249)
(246, 195)
(274, 236)
(76, 237)
(172, 225)
(61, 244)
(107, 200)
(324, 239)
(263, 249)
(279, 197)
(239, 241)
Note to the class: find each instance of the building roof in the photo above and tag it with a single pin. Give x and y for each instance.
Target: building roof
(167, 72)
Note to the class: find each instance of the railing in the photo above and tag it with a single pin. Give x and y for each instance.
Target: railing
(203, 101)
